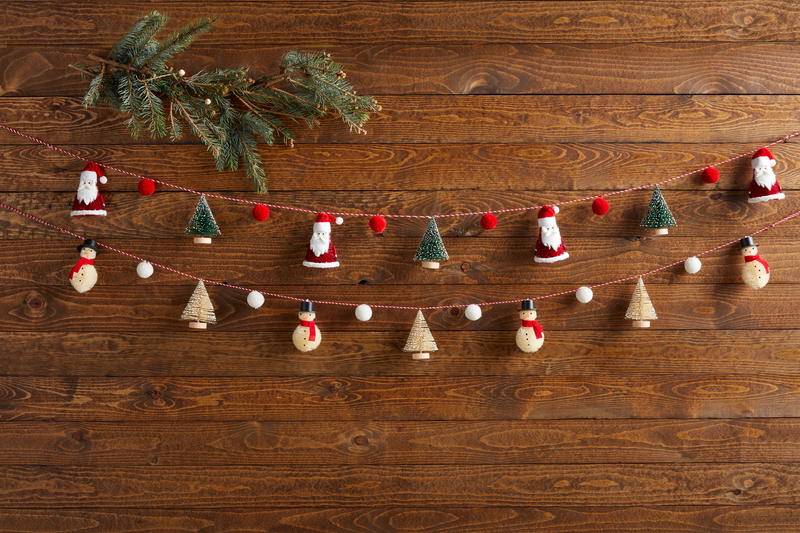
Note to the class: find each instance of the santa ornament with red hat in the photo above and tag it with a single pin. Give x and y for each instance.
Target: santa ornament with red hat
(764, 185)
(321, 251)
(88, 201)
(549, 246)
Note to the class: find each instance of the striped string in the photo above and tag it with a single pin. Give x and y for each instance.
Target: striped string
(314, 211)
(348, 304)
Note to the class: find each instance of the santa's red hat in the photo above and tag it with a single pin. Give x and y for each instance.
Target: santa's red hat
(93, 171)
(323, 222)
(762, 157)
(547, 216)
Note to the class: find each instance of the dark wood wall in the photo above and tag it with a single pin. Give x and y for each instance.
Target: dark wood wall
(114, 416)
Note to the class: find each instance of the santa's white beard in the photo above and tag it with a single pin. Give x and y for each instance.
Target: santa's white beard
(765, 178)
(319, 245)
(87, 193)
(551, 238)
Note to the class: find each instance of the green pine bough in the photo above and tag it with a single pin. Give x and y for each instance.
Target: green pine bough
(224, 108)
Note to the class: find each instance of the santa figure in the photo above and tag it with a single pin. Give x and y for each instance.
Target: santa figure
(764, 186)
(83, 276)
(306, 336)
(88, 201)
(549, 246)
(321, 251)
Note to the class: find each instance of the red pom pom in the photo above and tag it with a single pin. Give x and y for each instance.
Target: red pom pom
(260, 212)
(488, 221)
(377, 223)
(600, 206)
(146, 187)
(710, 175)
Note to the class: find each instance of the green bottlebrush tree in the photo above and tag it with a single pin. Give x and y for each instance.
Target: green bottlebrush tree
(658, 214)
(227, 110)
(431, 249)
(202, 222)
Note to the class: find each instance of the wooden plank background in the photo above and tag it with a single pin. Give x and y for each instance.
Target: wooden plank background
(115, 417)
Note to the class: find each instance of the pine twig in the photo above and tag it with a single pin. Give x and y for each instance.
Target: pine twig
(117, 64)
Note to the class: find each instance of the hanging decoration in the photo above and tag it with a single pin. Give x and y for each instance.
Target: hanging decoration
(584, 295)
(692, 265)
(420, 340)
(549, 245)
(658, 216)
(488, 221)
(377, 224)
(260, 212)
(431, 249)
(146, 187)
(641, 309)
(88, 200)
(306, 336)
(600, 206)
(710, 175)
(764, 185)
(473, 312)
(755, 271)
(530, 336)
(202, 223)
(199, 311)
(144, 270)
(363, 312)
(255, 299)
(83, 275)
(321, 252)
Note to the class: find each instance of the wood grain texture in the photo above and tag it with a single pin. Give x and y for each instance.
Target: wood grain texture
(396, 398)
(395, 519)
(429, 22)
(473, 119)
(326, 444)
(500, 261)
(428, 485)
(165, 217)
(157, 308)
(367, 353)
(436, 68)
(402, 167)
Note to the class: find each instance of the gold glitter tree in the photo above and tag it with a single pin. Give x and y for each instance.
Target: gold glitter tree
(420, 339)
(641, 309)
(199, 309)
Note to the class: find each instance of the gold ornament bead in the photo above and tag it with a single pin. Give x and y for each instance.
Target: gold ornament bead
(181, 72)
(208, 101)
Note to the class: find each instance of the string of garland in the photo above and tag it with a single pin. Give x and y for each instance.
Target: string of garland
(379, 306)
(389, 215)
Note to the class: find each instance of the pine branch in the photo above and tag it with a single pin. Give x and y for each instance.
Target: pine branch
(224, 109)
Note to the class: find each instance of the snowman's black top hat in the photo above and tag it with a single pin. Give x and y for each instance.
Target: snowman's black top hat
(747, 241)
(527, 305)
(306, 307)
(89, 243)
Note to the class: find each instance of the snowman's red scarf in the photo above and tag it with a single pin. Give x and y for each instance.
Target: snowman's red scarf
(751, 258)
(82, 261)
(312, 330)
(537, 329)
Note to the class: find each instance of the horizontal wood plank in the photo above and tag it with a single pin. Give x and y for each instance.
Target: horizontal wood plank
(472, 119)
(434, 22)
(199, 487)
(409, 398)
(158, 308)
(437, 68)
(324, 444)
(547, 168)
(367, 353)
(395, 519)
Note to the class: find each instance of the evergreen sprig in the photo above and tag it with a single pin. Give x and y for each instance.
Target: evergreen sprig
(224, 108)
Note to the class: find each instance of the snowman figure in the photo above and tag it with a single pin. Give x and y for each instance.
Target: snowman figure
(306, 336)
(530, 336)
(755, 271)
(83, 276)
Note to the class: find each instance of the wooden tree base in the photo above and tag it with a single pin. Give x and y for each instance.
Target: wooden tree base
(202, 240)
(641, 323)
(421, 355)
(432, 265)
(660, 231)
(198, 325)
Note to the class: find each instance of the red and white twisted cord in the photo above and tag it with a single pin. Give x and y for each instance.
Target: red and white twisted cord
(315, 211)
(380, 306)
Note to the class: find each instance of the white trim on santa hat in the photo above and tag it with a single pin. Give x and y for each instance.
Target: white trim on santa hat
(99, 212)
(547, 221)
(321, 265)
(767, 198)
(322, 226)
(761, 161)
(538, 259)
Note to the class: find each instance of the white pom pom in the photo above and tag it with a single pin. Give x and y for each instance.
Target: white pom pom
(255, 299)
(692, 265)
(584, 295)
(473, 312)
(103, 180)
(363, 312)
(556, 209)
(339, 221)
(144, 269)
